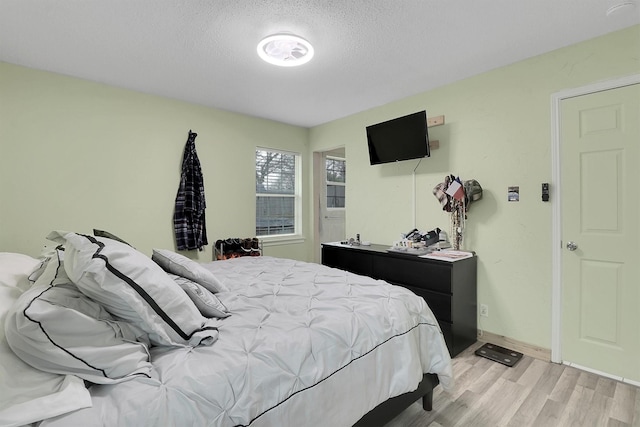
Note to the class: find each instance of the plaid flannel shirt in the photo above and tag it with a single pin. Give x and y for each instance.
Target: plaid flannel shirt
(188, 217)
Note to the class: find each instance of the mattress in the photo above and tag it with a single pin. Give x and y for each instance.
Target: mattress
(304, 345)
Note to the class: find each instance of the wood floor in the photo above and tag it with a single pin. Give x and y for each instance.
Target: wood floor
(532, 393)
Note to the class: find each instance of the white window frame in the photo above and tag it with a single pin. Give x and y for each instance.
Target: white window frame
(296, 236)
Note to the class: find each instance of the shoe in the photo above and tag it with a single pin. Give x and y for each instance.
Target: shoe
(233, 244)
(255, 247)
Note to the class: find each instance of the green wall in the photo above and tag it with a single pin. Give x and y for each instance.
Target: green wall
(498, 131)
(76, 155)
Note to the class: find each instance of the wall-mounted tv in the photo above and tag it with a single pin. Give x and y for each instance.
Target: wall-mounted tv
(403, 138)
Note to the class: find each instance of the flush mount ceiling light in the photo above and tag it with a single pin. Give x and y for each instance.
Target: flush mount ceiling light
(620, 8)
(285, 50)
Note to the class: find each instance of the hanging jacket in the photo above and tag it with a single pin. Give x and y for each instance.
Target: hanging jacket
(188, 217)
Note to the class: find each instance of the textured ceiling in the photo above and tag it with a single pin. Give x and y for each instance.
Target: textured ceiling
(368, 52)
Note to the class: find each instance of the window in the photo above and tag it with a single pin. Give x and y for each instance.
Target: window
(278, 201)
(336, 181)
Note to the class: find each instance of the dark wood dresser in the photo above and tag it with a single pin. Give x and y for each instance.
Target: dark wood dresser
(449, 288)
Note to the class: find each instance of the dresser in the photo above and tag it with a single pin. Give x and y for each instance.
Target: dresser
(449, 288)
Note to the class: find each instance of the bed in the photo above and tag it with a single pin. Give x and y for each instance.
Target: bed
(99, 334)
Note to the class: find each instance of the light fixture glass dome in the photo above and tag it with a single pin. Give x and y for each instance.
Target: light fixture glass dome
(285, 50)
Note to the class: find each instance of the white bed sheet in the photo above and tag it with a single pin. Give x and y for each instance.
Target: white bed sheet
(305, 345)
(28, 395)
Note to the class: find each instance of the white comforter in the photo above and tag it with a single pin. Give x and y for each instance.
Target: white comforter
(305, 345)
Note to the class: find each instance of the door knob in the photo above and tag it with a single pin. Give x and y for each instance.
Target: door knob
(572, 246)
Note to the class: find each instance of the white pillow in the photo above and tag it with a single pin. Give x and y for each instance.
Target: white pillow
(134, 288)
(208, 304)
(15, 268)
(178, 264)
(102, 233)
(47, 272)
(45, 255)
(60, 330)
(27, 394)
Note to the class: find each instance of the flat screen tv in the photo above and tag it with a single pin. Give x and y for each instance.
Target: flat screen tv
(403, 138)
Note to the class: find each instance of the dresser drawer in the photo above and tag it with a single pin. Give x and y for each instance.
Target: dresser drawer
(420, 274)
(349, 260)
(440, 304)
(449, 288)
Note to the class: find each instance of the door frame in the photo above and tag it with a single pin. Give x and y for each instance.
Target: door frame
(318, 182)
(555, 197)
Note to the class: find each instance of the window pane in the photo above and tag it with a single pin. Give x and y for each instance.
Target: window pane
(336, 170)
(277, 192)
(335, 196)
(275, 215)
(275, 172)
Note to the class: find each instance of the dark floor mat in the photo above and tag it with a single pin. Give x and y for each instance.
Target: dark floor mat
(499, 354)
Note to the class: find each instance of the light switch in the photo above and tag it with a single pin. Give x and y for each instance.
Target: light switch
(545, 191)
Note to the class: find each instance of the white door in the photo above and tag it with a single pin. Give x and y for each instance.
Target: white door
(329, 194)
(600, 171)
(332, 199)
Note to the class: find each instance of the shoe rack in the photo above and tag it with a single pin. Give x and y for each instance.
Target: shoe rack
(234, 247)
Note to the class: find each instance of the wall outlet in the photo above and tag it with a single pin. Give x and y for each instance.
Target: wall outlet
(484, 310)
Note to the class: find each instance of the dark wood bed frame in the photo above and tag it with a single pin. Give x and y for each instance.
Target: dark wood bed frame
(386, 411)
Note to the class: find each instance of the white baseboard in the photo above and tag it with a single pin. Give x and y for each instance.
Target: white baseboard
(542, 354)
(603, 374)
(522, 347)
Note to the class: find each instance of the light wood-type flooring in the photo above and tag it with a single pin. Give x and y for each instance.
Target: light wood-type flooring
(532, 393)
